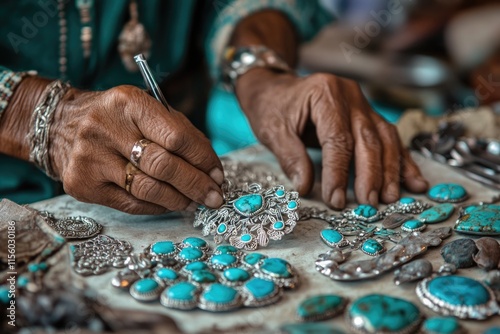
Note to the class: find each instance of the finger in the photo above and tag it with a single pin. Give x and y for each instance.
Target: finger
(147, 189)
(291, 154)
(411, 176)
(391, 159)
(188, 180)
(368, 158)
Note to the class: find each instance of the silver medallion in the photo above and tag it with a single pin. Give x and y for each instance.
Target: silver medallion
(78, 227)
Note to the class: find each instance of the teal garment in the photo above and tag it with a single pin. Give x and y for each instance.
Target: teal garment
(30, 30)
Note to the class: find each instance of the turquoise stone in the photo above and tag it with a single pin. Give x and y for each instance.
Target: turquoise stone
(380, 313)
(22, 281)
(221, 228)
(4, 294)
(276, 267)
(441, 325)
(163, 247)
(445, 192)
(190, 254)
(492, 330)
(43, 266)
(236, 275)
(412, 224)
(279, 225)
(33, 267)
(203, 276)
(260, 288)
(253, 258)
(292, 205)
(248, 205)
(226, 249)
(331, 236)
(195, 242)
(220, 294)
(365, 210)
(458, 290)
(196, 266)
(309, 328)
(437, 213)
(320, 307)
(246, 238)
(372, 247)
(146, 285)
(480, 220)
(167, 273)
(181, 291)
(223, 260)
(406, 200)
(280, 193)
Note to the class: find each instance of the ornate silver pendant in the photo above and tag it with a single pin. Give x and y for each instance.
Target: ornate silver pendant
(73, 227)
(249, 218)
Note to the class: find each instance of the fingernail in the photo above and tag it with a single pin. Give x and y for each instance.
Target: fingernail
(192, 207)
(373, 198)
(217, 175)
(421, 183)
(213, 199)
(338, 199)
(392, 192)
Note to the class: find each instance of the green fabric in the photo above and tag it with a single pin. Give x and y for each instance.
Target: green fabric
(30, 41)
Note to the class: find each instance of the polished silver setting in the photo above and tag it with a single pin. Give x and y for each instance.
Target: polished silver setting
(146, 296)
(138, 151)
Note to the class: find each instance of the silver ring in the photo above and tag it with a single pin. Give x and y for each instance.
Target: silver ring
(138, 150)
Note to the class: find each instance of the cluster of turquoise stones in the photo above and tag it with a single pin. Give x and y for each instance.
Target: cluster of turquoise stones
(227, 279)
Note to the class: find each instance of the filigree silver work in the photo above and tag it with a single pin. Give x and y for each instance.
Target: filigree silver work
(330, 263)
(79, 227)
(251, 217)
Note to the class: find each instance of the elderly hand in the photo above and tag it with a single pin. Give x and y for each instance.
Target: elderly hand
(288, 113)
(91, 141)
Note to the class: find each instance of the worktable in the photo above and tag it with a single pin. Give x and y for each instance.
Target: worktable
(300, 248)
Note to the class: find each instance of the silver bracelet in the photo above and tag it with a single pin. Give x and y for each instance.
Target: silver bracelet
(40, 126)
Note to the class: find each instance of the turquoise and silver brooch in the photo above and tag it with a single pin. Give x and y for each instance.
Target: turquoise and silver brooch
(250, 218)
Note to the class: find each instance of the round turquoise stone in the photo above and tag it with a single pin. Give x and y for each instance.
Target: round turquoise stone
(276, 267)
(372, 247)
(226, 249)
(196, 266)
(365, 210)
(203, 276)
(458, 290)
(221, 228)
(320, 307)
(444, 192)
(406, 200)
(380, 313)
(146, 285)
(413, 224)
(253, 258)
(247, 205)
(280, 193)
(260, 288)
(190, 254)
(194, 242)
(163, 247)
(236, 275)
(33, 267)
(278, 226)
(246, 238)
(22, 281)
(43, 266)
(223, 260)
(220, 294)
(167, 273)
(181, 291)
(4, 294)
(441, 325)
(292, 205)
(437, 213)
(331, 236)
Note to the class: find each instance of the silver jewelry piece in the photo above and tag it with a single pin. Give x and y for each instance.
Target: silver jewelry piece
(73, 227)
(413, 271)
(138, 151)
(146, 289)
(407, 205)
(250, 218)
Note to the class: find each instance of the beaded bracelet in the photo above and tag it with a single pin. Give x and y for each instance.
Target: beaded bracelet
(9, 80)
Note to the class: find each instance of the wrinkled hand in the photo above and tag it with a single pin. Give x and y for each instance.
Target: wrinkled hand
(92, 138)
(288, 113)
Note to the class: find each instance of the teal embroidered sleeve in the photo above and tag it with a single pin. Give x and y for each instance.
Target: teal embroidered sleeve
(306, 15)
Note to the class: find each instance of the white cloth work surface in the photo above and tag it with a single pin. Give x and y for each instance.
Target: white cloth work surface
(300, 248)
